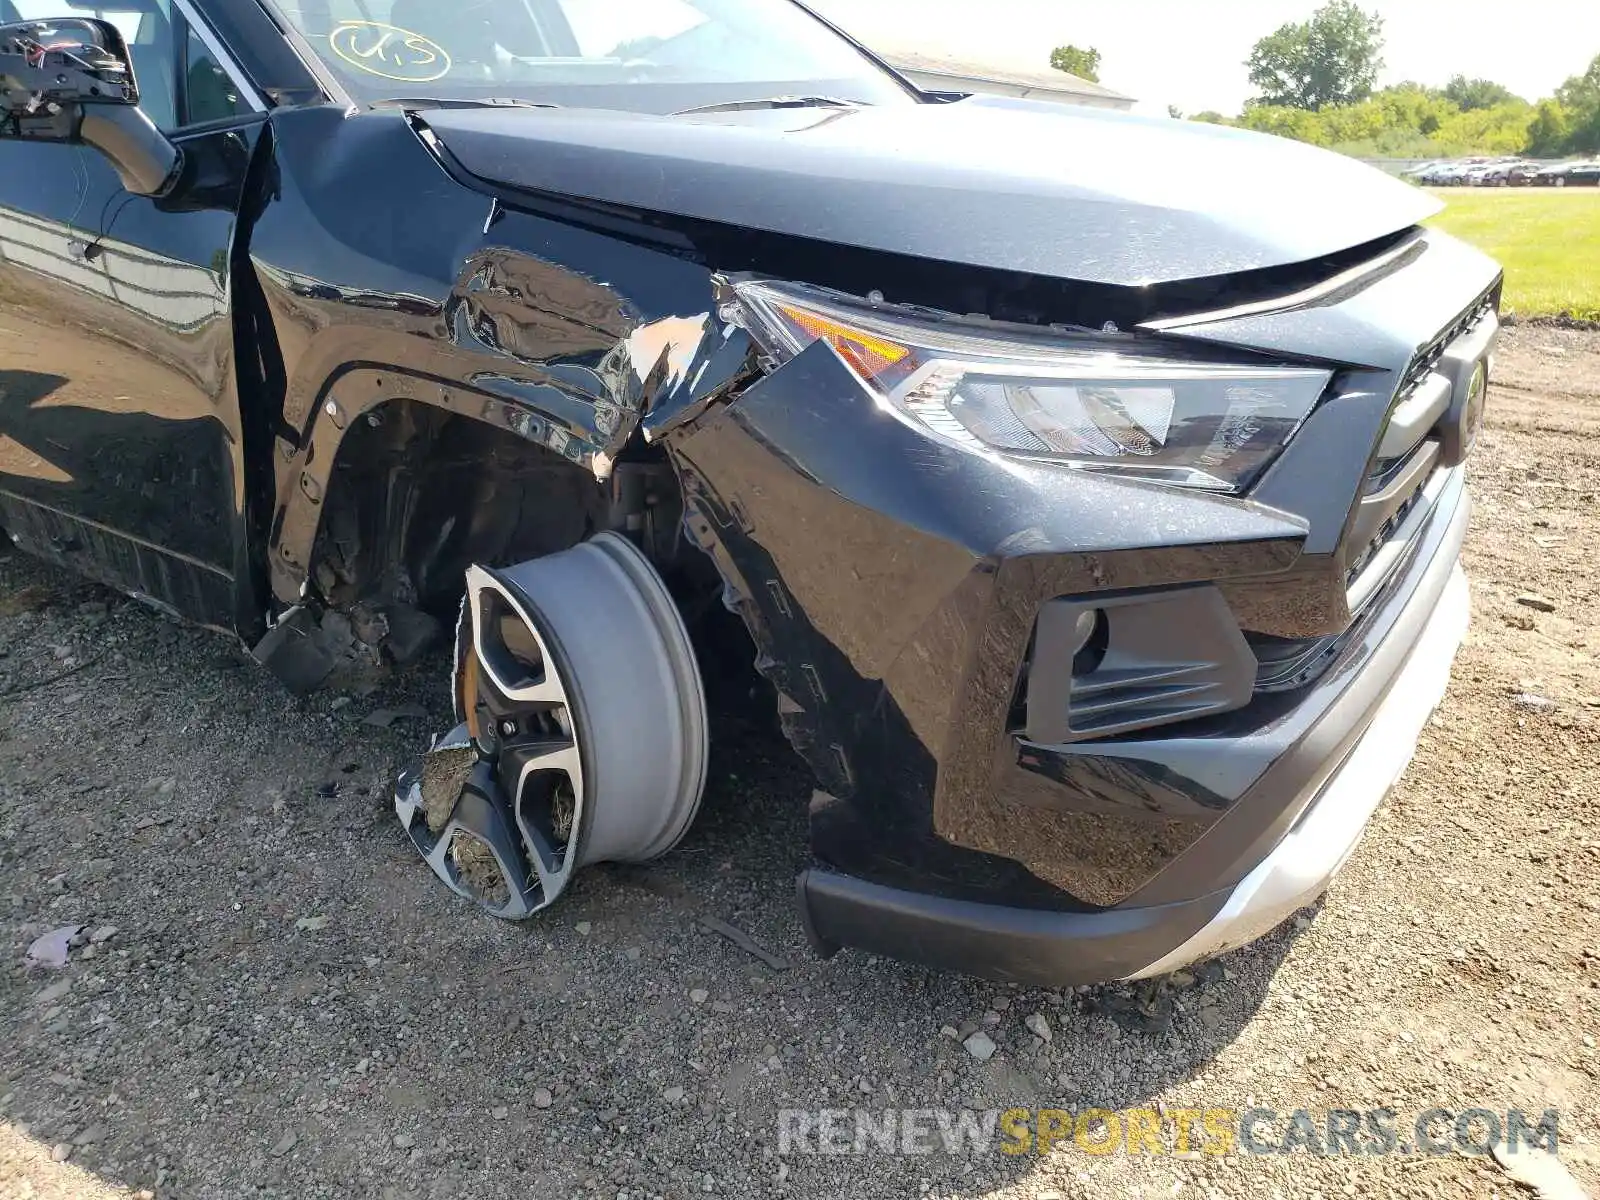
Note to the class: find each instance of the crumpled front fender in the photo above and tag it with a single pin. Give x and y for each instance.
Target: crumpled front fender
(565, 337)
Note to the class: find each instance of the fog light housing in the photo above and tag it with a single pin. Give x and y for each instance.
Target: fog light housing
(1107, 665)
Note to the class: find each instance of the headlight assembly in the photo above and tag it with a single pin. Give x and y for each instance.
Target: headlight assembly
(1088, 401)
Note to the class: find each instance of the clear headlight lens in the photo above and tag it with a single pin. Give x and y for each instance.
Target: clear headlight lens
(1089, 401)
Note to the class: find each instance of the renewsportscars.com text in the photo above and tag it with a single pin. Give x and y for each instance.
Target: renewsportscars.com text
(1148, 1131)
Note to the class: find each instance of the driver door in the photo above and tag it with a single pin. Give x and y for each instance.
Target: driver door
(120, 441)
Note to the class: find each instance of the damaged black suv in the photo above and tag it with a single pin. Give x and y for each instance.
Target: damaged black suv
(1091, 487)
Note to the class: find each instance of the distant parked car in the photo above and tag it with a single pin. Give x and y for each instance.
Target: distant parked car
(1567, 174)
(1580, 175)
(1499, 174)
(1472, 172)
(1522, 174)
(1444, 174)
(1459, 174)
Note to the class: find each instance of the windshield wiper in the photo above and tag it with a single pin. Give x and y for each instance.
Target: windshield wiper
(458, 102)
(771, 102)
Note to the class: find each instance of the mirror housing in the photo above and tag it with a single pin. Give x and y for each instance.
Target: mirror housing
(71, 80)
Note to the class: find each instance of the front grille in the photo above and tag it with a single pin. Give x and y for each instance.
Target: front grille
(1428, 357)
(1422, 398)
(1361, 561)
(1283, 664)
(1407, 461)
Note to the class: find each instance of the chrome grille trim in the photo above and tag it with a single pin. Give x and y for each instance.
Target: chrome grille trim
(1388, 548)
(1284, 664)
(1423, 392)
(1428, 357)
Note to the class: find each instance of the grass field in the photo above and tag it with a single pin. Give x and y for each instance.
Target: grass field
(1548, 241)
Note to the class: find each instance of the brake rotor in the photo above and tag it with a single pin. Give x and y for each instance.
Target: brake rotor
(582, 735)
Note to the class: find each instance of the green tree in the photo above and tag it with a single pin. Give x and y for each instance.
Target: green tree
(1412, 86)
(1584, 137)
(1334, 58)
(1580, 97)
(1413, 108)
(1582, 91)
(1502, 129)
(1211, 117)
(1549, 131)
(1285, 120)
(1472, 94)
(1075, 60)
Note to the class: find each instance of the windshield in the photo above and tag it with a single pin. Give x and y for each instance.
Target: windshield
(648, 55)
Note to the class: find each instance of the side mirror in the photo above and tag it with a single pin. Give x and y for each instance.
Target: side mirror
(71, 80)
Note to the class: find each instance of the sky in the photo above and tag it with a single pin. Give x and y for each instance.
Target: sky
(1191, 53)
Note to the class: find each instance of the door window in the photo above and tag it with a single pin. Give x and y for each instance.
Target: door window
(209, 92)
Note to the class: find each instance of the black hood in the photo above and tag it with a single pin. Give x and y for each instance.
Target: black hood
(1073, 193)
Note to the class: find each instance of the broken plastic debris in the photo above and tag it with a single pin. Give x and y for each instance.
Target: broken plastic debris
(56, 991)
(745, 942)
(1536, 1169)
(50, 949)
(385, 717)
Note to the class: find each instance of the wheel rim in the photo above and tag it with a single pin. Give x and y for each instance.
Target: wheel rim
(583, 708)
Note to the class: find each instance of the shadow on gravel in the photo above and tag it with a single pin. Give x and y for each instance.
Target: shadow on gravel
(287, 1003)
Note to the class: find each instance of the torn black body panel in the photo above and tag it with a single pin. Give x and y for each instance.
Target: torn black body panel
(891, 585)
(553, 335)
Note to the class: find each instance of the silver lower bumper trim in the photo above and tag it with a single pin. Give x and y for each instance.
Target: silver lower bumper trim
(1305, 862)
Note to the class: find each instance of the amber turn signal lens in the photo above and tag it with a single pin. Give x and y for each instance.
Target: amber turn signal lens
(870, 356)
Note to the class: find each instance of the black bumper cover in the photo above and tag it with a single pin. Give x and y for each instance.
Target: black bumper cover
(1060, 948)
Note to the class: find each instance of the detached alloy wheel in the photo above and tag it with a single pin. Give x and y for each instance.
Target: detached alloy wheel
(583, 729)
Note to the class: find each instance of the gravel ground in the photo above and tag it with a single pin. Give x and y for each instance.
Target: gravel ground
(276, 998)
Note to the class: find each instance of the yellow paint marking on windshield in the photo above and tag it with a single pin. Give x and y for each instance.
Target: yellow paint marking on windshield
(389, 51)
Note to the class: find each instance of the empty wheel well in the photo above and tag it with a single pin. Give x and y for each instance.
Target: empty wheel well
(417, 495)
